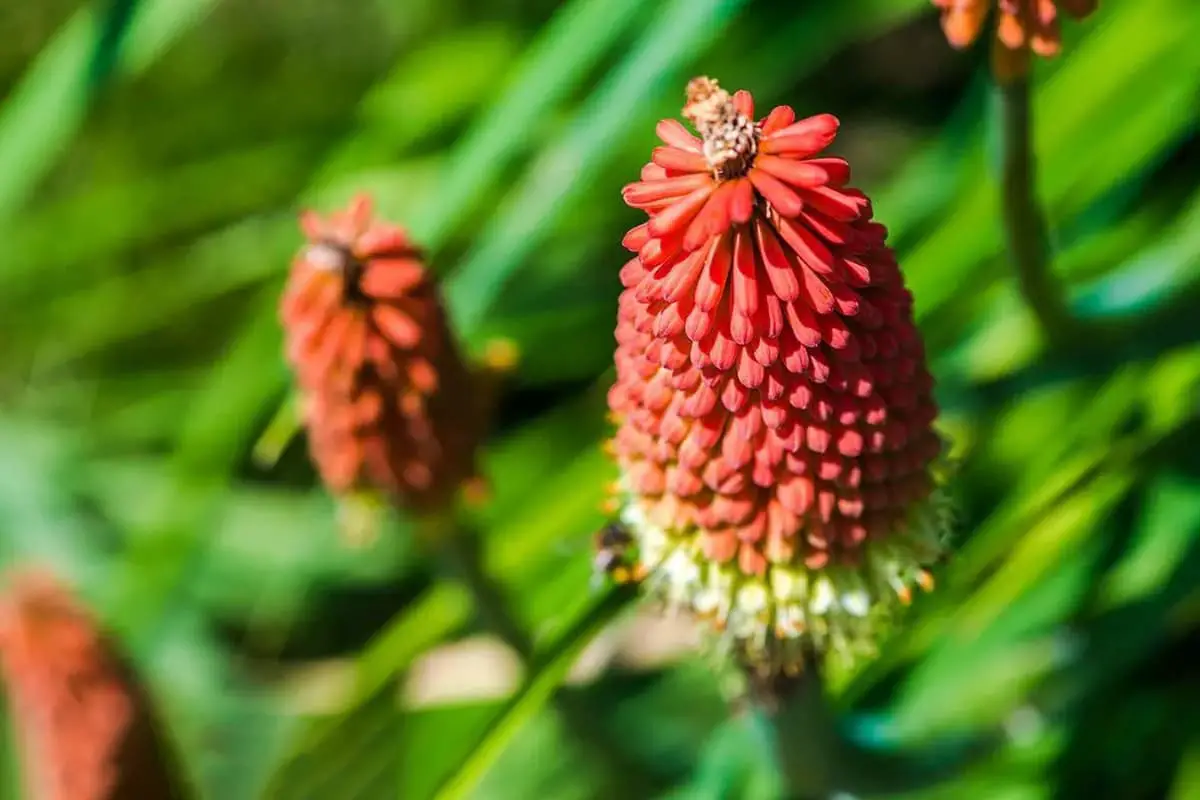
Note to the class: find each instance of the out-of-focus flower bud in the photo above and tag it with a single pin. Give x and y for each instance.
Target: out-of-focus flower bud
(1022, 27)
(388, 401)
(85, 727)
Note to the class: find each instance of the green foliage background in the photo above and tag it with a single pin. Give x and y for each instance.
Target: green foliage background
(153, 156)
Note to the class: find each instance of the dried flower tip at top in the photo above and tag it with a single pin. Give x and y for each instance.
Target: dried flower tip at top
(730, 137)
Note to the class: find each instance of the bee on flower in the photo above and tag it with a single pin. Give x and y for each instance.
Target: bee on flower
(615, 555)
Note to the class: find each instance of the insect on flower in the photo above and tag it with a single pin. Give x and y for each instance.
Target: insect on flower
(616, 555)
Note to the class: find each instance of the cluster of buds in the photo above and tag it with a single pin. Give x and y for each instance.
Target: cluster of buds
(387, 399)
(778, 462)
(1022, 27)
(85, 729)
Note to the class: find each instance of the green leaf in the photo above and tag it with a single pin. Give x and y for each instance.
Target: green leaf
(561, 172)
(1167, 531)
(1187, 781)
(546, 674)
(114, 25)
(159, 568)
(455, 727)
(359, 762)
(420, 97)
(735, 765)
(46, 108)
(578, 36)
(1039, 549)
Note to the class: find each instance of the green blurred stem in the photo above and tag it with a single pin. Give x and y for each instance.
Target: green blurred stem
(458, 547)
(1025, 224)
(816, 760)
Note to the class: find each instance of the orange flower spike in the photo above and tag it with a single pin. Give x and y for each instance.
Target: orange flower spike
(1022, 27)
(387, 398)
(774, 408)
(86, 731)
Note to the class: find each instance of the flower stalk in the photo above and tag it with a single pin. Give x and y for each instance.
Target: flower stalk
(1025, 227)
(814, 757)
(1022, 29)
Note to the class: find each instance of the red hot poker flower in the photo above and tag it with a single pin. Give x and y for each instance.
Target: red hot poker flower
(86, 730)
(1022, 26)
(775, 412)
(387, 397)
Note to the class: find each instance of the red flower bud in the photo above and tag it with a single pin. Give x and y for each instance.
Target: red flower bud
(1022, 27)
(387, 398)
(85, 729)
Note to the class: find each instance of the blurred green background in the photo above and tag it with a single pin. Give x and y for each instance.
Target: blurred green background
(153, 156)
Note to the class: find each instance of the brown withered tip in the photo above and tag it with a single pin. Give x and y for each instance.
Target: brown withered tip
(730, 137)
(708, 105)
(701, 89)
(85, 726)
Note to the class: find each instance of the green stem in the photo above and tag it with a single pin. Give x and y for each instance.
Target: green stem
(1025, 224)
(459, 549)
(816, 760)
